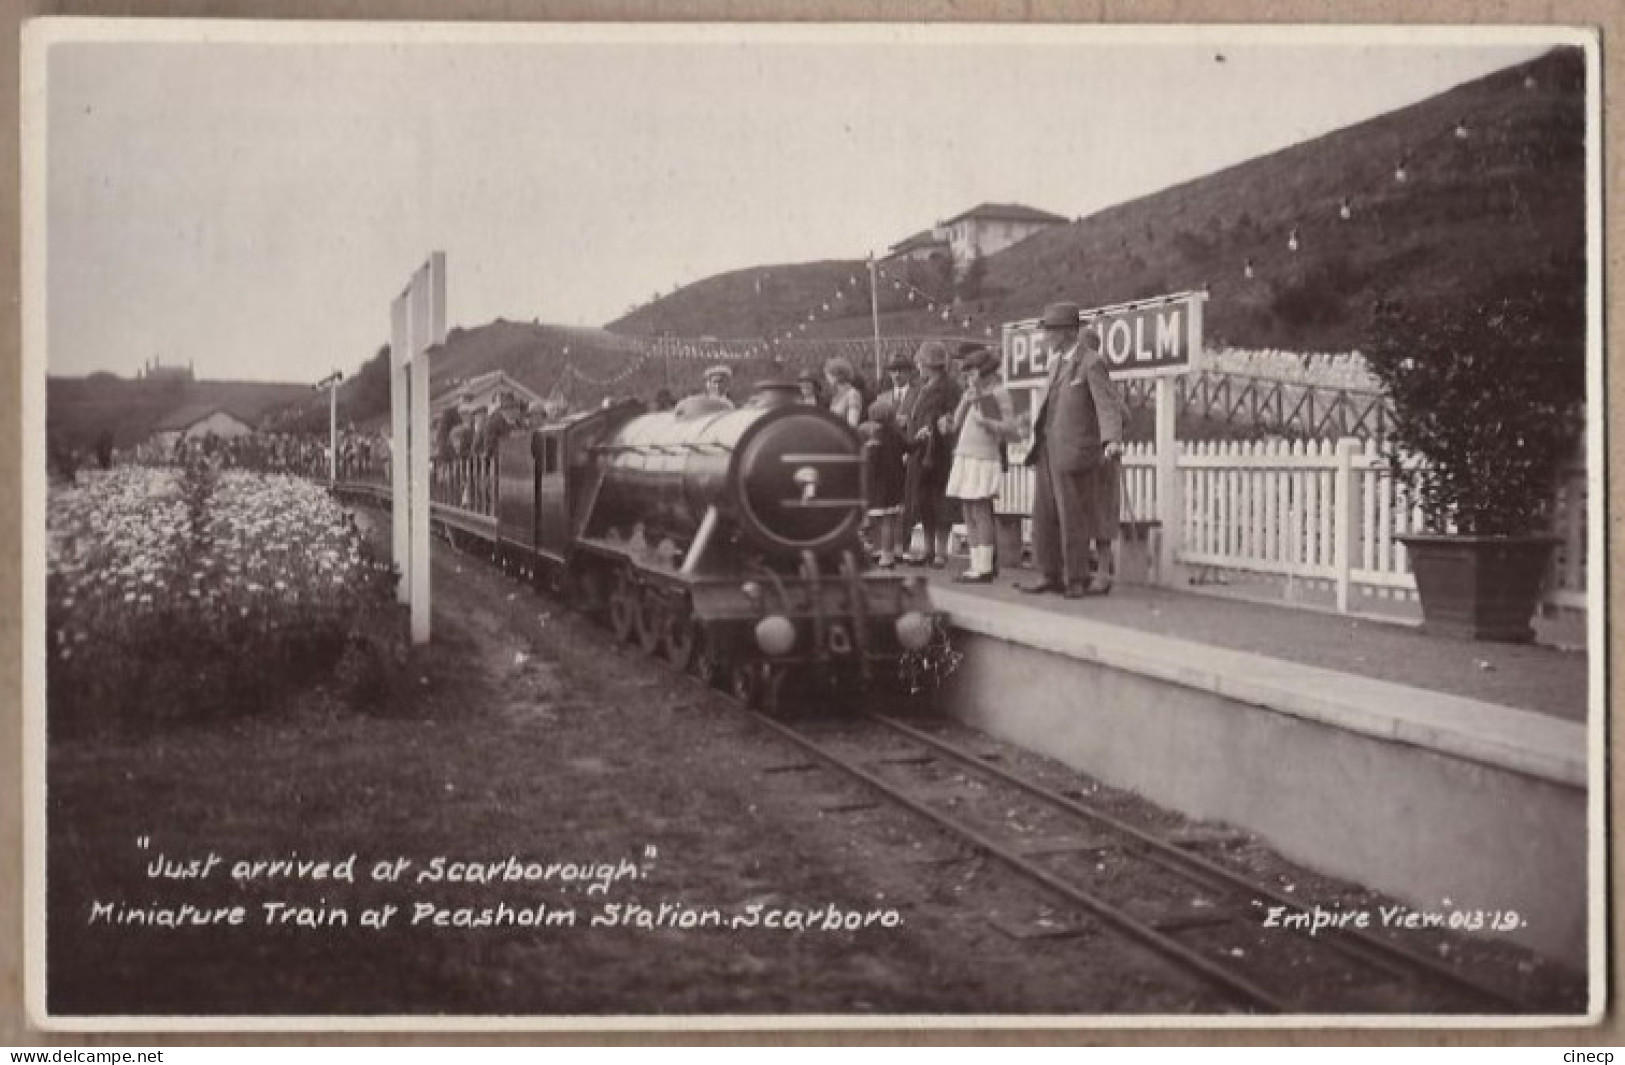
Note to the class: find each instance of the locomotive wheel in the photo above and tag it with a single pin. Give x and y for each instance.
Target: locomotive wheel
(651, 620)
(705, 661)
(682, 639)
(588, 590)
(757, 685)
(623, 611)
(747, 681)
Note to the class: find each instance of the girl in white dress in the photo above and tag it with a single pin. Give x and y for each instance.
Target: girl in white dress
(985, 418)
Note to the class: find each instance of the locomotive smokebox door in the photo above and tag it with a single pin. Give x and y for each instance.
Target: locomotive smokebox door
(800, 482)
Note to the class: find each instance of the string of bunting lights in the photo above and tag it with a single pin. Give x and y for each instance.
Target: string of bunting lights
(725, 350)
(573, 372)
(1463, 130)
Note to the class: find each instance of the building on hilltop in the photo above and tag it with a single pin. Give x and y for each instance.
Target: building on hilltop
(154, 370)
(990, 228)
(983, 230)
(918, 248)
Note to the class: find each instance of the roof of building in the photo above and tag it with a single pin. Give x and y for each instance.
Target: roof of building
(491, 381)
(188, 415)
(925, 238)
(1005, 212)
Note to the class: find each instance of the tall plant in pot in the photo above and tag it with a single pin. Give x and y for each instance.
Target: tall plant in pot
(1488, 401)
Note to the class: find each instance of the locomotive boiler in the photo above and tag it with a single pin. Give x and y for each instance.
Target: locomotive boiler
(726, 540)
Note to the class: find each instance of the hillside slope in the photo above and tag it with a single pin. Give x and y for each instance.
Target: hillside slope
(534, 354)
(1504, 195)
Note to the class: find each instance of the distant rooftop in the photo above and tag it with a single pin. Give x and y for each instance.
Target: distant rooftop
(1004, 212)
(188, 415)
(925, 238)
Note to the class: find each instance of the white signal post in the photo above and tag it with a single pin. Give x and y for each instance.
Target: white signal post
(418, 327)
(874, 315)
(330, 384)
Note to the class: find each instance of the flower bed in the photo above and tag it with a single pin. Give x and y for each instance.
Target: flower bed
(185, 594)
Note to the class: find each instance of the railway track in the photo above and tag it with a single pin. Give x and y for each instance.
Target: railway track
(1202, 917)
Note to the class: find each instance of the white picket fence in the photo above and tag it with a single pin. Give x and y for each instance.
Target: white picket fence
(1315, 511)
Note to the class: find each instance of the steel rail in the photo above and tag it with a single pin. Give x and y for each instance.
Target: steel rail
(1365, 946)
(1240, 987)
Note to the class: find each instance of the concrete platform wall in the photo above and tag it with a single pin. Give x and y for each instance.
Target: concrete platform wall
(1394, 816)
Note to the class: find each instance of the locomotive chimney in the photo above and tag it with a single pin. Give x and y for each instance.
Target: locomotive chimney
(775, 394)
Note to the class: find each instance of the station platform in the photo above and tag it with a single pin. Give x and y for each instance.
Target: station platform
(1549, 676)
(1427, 768)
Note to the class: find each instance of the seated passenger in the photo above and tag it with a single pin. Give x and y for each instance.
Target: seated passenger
(718, 379)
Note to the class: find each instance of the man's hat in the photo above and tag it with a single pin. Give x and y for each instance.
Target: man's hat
(718, 370)
(979, 358)
(900, 364)
(933, 354)
(1061, 316)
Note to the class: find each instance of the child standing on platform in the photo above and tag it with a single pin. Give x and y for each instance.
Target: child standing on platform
(985, 418)
(883, 449)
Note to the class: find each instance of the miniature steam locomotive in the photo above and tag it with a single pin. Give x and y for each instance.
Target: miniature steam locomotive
(726, 540)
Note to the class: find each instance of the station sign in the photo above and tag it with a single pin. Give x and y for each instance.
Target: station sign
(1147, 338)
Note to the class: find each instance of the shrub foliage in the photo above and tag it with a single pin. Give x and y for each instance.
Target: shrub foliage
(1489, 392)
(194, 594)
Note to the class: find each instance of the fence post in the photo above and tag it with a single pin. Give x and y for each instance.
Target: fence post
(1170, 491)
(400, 345)
(1345, 519)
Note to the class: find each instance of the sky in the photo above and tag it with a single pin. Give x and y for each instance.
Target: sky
(250, 200)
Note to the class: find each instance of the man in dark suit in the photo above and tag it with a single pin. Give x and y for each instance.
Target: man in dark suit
(926, 418)
(1077, 437)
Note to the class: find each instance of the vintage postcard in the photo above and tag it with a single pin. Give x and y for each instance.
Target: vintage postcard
(603, 526)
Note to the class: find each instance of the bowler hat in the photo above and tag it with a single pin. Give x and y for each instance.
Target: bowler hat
(932, 353)
(900, 364)
(718, 370)
(1061, 316)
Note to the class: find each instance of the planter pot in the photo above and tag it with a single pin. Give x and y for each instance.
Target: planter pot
(1480, 587)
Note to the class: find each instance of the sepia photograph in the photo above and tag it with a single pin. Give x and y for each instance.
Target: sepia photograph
(819, 525)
